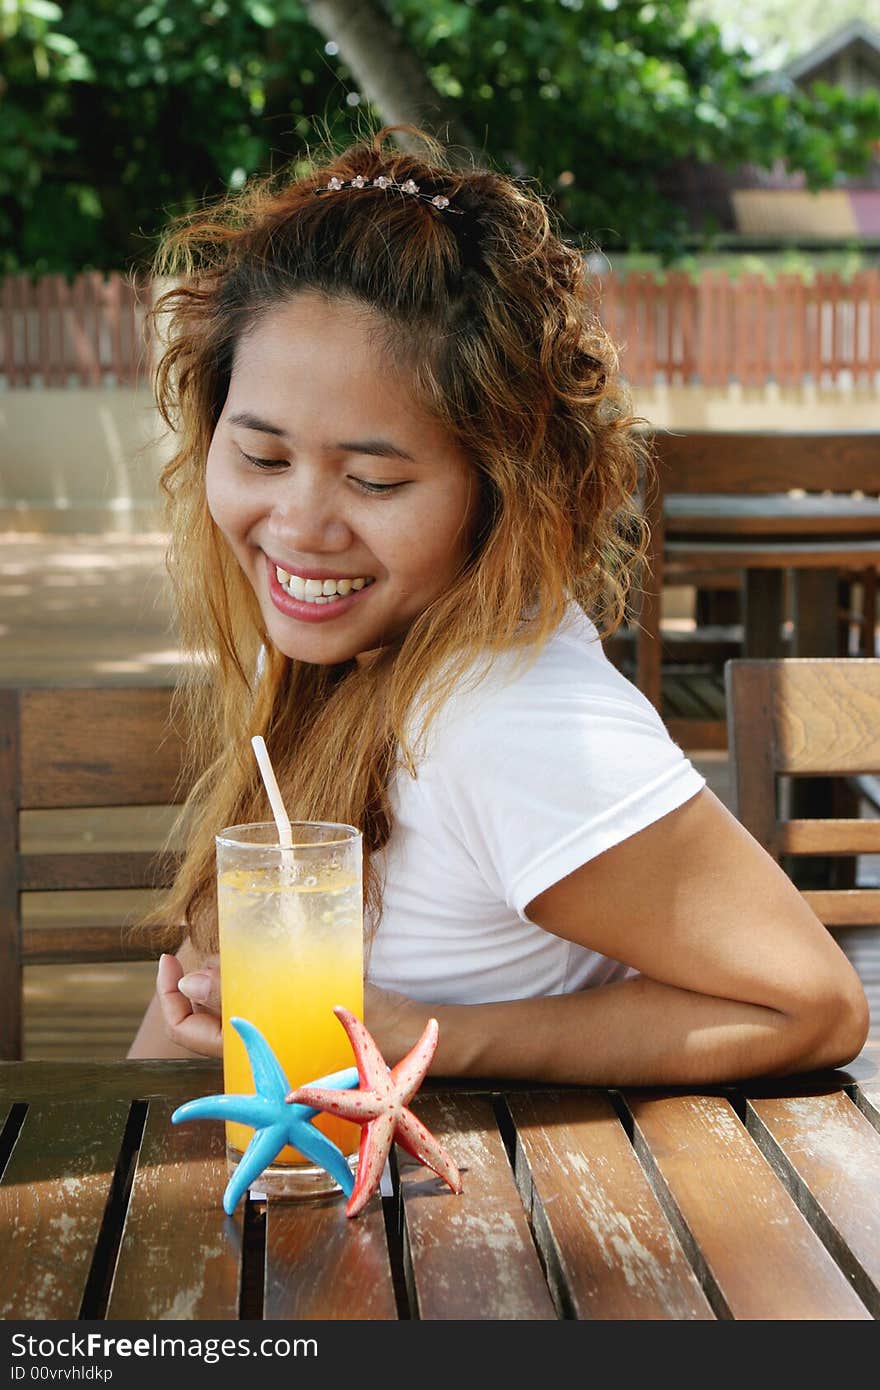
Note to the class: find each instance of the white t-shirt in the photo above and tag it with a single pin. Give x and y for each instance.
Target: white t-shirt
(525, 776)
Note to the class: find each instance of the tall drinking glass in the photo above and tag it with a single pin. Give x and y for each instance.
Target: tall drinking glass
(291, 948)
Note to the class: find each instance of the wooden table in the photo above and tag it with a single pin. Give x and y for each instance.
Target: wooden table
(754, 1202)
(813, 536)
(756, 503)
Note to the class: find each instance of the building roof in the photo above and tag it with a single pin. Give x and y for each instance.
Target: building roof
(856, 35)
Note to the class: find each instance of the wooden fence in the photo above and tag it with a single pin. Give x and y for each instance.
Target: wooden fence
(87, 332)
(714, 330)
(709, 330)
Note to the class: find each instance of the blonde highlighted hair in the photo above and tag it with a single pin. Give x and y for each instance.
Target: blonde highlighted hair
(491, 315)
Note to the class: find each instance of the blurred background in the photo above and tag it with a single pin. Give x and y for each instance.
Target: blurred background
(717, 162)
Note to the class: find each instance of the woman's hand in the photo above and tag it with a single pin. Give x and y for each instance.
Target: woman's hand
(190, 1004)
(184, 1016)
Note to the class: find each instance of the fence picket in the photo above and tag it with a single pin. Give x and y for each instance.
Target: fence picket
(112, 295)
(814, 329)
(44, 332)
(7, 320)
(26, 305)
(711, 326)
(871, 299)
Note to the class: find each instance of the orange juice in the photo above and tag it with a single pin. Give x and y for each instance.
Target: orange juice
(291, 948)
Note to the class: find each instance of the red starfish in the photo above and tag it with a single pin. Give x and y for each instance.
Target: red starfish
(380, 1107)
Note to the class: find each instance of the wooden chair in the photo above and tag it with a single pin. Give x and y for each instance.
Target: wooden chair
(809, 717)
(75, 748)
(757, 465)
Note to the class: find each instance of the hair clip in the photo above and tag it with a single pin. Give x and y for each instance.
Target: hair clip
(438, 200)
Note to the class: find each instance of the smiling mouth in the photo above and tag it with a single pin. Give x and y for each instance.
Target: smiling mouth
(319, 591)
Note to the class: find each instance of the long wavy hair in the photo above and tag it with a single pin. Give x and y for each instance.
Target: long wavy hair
(492, 315)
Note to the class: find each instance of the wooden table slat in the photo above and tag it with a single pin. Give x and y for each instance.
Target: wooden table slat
(75, 1080)
(731, 1204)
(471, 1255)
(867, 1098)
(176, 1221)
(778, 515)
(323, 1265)
(52, 1201)
(828, 1155)
(861, 1079)
(782, 554)
(605, 1239)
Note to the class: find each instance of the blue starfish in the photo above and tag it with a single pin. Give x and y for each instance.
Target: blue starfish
(274, 1122)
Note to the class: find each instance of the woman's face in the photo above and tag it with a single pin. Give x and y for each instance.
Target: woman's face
(347, 507)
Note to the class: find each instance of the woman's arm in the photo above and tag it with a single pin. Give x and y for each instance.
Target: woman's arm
(738, 976)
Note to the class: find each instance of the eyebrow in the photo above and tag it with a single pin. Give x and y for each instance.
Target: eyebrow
(378, 447)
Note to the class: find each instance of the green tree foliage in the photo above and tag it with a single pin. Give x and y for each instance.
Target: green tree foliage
(603, 99)
(117, 113)
(120, 112)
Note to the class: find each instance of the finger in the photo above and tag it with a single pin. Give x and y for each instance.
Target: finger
(202, 1033)
(175, 1007)
(194, 1028)
(202, 987)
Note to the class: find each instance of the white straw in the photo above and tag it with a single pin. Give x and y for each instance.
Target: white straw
(282, 820)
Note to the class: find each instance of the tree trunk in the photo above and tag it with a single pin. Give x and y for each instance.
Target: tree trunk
(390, 75)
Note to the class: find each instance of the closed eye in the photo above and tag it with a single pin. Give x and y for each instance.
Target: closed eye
(376, 489)
(364, 484)
(262, 463)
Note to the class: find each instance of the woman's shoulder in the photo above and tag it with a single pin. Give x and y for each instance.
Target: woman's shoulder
(547, 764)
(567, 683)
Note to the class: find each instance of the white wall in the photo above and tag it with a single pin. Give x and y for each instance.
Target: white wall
(759, 408)
(90, 459)
(93, 454)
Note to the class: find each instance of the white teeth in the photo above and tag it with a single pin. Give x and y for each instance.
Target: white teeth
(318, 590)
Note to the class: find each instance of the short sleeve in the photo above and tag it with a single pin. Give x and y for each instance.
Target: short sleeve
(542, 774)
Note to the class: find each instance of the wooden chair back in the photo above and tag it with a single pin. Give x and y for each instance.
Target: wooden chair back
(755, 462)
(737, 463)
(76, 748)
(806, 717)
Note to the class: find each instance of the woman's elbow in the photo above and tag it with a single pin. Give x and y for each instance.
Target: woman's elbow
(833, 1023)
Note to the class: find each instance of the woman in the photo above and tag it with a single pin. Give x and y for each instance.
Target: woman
(403, 493)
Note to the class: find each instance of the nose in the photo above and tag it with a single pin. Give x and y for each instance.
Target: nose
(308, 517)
